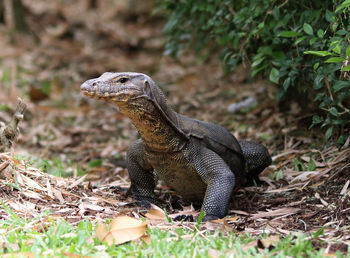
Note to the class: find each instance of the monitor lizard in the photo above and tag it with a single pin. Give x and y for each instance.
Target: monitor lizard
(201, 161)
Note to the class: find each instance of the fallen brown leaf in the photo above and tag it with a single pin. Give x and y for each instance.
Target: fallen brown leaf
(250, 245)
(345, 187)
(155, 213)
(4, 165)
(146, 239)
(123, 229)
(21, 254)
(66, 254)
(270, 241)
(277, 212)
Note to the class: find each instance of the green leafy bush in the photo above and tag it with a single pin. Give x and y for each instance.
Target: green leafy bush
(285, 40)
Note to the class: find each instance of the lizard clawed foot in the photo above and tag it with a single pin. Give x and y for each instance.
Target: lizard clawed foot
(188, 218)
(142, 204)
(209, 218)
(146, 203)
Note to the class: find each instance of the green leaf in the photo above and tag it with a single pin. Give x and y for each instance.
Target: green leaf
(286, 84)
(257, 70)
(341, 32)
(276, 13)
(330, 16)
(274, 75)
(329, 132)
(200, 218)
(319, 96)
(312, 41)
(318, 81)
(316, 65)
(334, 60)
(261, 25)
(318, 53)
(278, 55)
(311, 165)
(334, 26)
(95, 163)
(227, 56)
(333, 111)
(345, 4)
(340, 85)
(289, 34)
(46, 87)
(337, 49)
(320, 33)
(280, 93)
(317, 119)
(346, 68)
(347, 51)
(342, 139)
(299, 166)
(298, 40)
(308, 29)
(4, 107)
(258, 62)
(319, 232)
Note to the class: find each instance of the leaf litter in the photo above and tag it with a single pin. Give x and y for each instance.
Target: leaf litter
(74, 46)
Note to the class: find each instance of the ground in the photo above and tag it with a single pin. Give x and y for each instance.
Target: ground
(66, 134)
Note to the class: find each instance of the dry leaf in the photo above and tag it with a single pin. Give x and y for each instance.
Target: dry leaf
(213, 253)
(155, 213)
(22, 255)
(270, 241)
(102, 233)
(278, 212)
(123, 229)
(66, 254)
(33, 195)
(225, 219)
(249, 245)
(49, 189)
(146, 239)
(77, 182)
(318, 164)
(304, 176)
(31, 183)
(89, 206)
(58, 195)
(345, 187)
(317, 195)
(240, 212)
(4, 165)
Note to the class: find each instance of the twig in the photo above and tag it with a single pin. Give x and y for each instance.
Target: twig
(329, 88)
(284, 3)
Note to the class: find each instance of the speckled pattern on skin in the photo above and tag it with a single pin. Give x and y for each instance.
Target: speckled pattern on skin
(201, 161)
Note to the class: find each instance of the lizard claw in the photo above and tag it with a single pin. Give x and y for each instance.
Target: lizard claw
(142, 204)
(188, 218)
(209, 217)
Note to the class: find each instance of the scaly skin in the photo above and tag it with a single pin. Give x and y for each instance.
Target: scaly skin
(201, 161)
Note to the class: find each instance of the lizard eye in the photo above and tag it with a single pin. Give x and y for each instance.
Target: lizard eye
(123, 80)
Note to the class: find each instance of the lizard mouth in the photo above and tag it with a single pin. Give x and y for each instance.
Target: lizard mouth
(121, 95)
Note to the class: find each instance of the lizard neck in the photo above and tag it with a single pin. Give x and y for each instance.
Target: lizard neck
(157, 134)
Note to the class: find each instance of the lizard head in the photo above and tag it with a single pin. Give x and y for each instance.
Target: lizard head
(118, 87)
(136, 94)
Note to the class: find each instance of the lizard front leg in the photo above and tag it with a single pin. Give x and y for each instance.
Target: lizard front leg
(220, 182)
(141, 175)
(257, 159)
